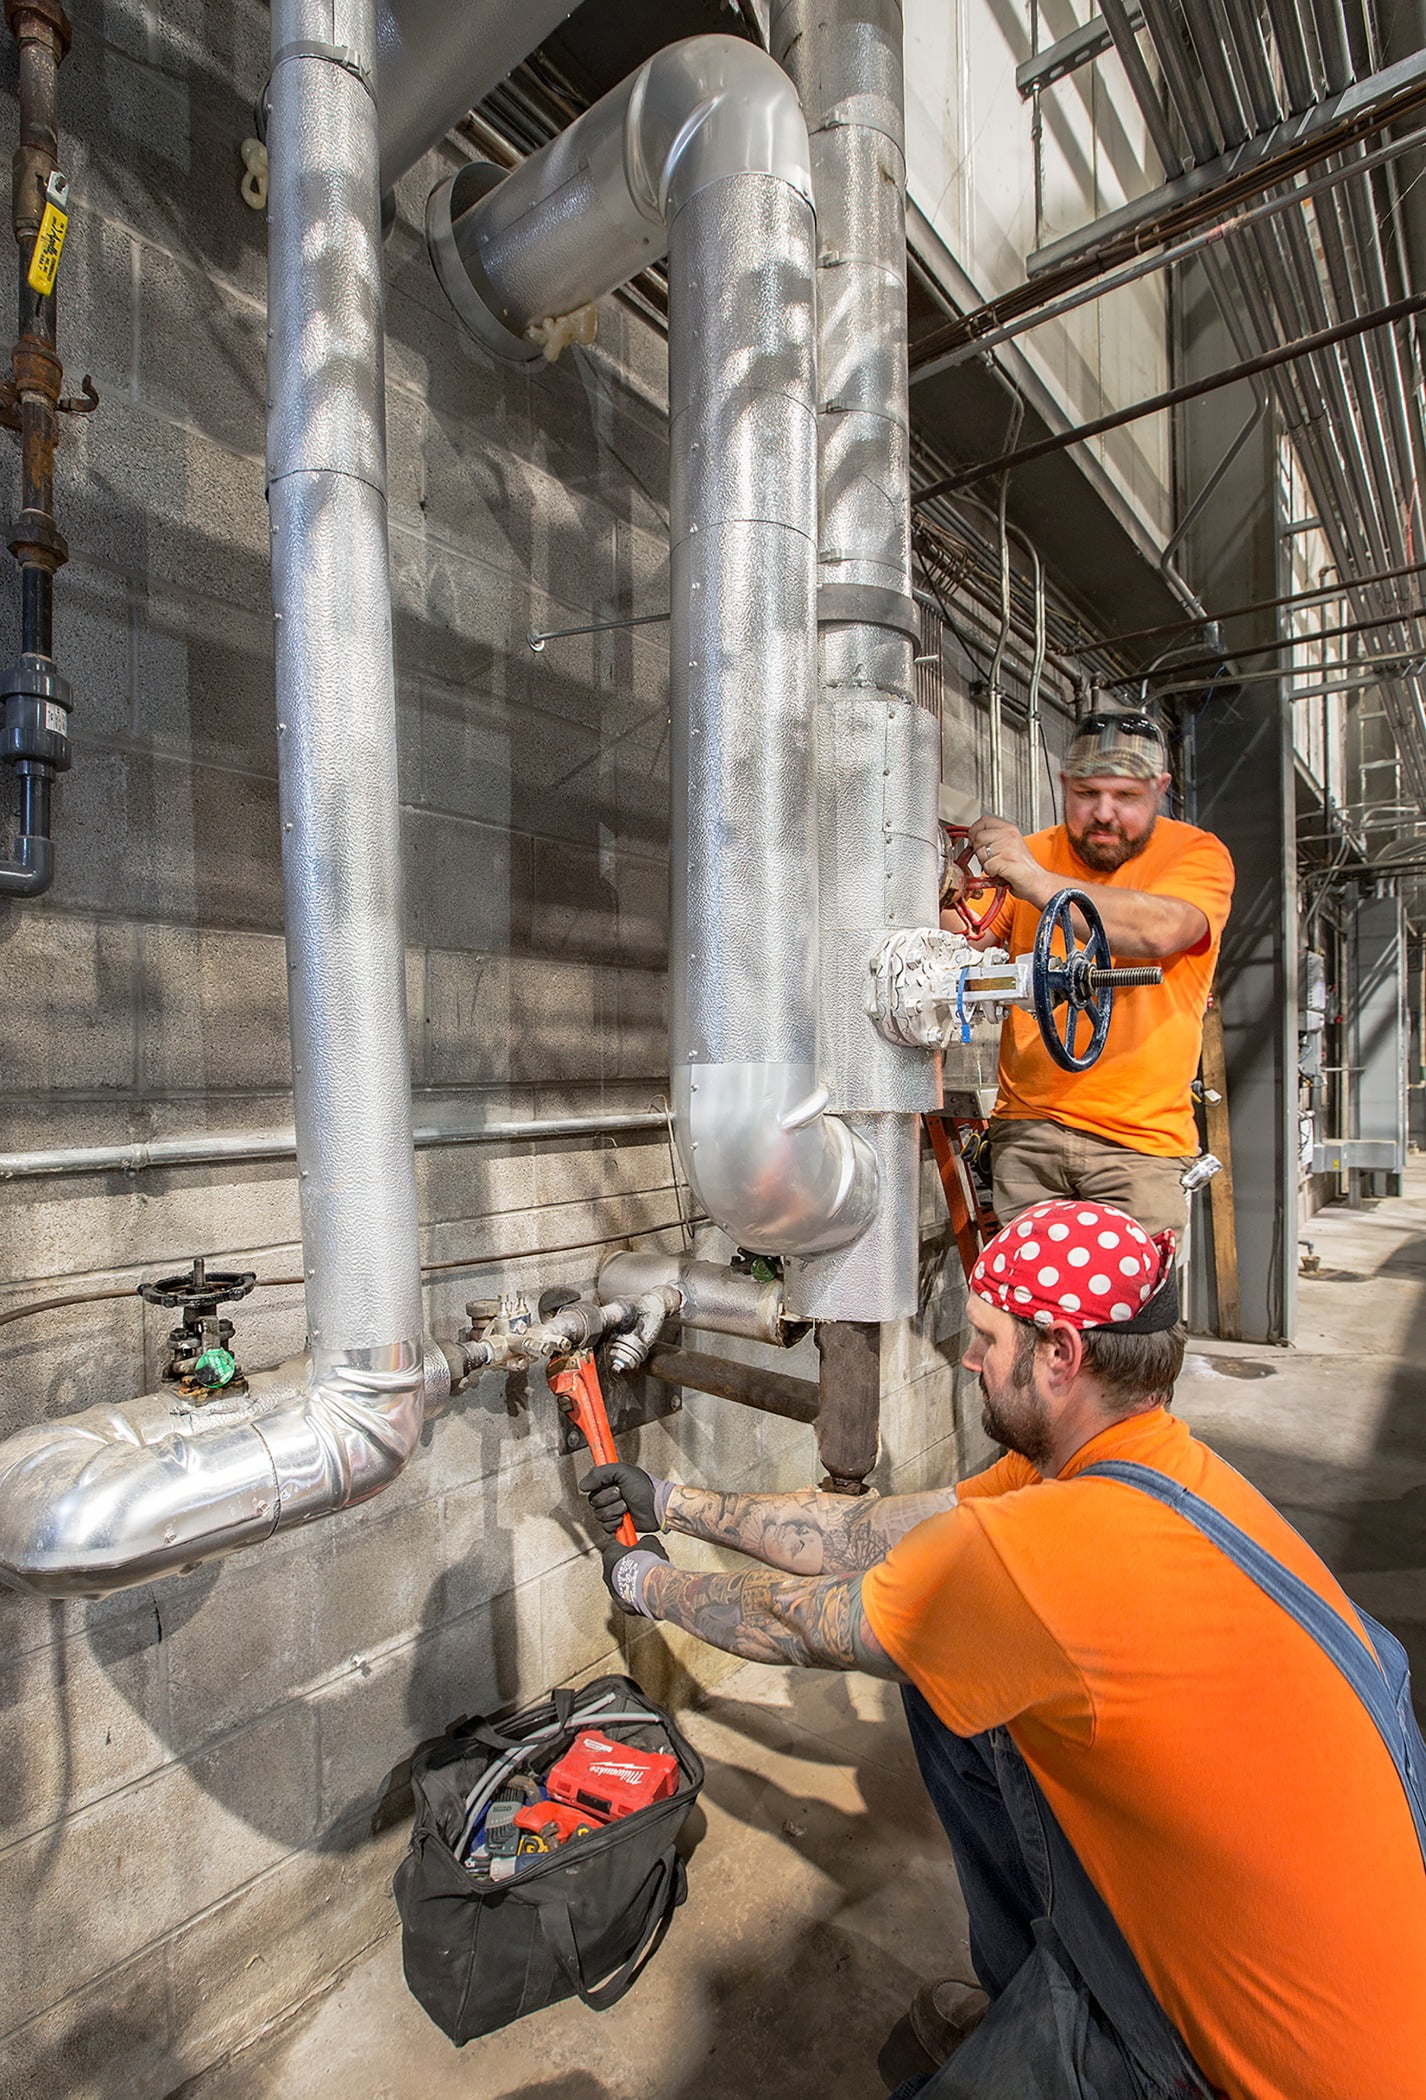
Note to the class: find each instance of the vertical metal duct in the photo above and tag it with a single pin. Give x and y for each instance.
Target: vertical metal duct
(119, 1495)
(702, 155)
(436, 58)
(877, 752)
(336, 699)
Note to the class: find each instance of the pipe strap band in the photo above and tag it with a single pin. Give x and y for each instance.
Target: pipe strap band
(335, 54)
(868, 605)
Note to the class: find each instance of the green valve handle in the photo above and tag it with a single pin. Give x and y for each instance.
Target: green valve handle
(215, 1368)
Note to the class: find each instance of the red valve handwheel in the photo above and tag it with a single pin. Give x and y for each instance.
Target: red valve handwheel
(977, 900)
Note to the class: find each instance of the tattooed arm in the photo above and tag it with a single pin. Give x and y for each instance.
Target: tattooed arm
(806, 1533)
(766, 1616)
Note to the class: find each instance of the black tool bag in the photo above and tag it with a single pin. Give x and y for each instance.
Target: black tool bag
(579, 1921)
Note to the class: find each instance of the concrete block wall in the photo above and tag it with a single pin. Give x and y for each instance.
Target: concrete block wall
(203, 1796)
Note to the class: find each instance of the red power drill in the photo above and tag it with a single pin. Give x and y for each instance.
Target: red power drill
(574, 1381)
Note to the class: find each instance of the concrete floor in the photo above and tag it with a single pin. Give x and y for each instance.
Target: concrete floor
(821, 1889)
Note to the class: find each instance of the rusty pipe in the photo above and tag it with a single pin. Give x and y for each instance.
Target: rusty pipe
(773, 1392)
(35, 734)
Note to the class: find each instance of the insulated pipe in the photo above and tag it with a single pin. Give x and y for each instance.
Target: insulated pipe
(724, 1301)
(122, 1495)
(702, 155)
(436, 58)
(877, 752)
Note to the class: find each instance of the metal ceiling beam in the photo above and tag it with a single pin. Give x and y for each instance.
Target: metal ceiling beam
(983, 331)
(1057, 61)
(1366, 106)
(1174, 397)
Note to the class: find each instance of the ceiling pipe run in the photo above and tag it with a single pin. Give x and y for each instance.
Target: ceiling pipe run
(701, 155)
(121, 1495)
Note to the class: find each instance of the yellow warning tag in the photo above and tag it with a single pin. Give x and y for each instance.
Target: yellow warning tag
(49, 246)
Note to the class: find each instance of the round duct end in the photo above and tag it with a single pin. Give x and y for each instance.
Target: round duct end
(446, 206)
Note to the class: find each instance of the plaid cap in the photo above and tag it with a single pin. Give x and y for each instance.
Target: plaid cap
(1131, 746)
(1086, 1264)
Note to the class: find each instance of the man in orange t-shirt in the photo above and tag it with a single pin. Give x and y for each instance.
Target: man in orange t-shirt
(1123, 1131)
(1172, 1759)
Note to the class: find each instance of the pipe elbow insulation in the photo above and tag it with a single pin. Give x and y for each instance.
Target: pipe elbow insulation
(122, 1495)
(594, 207)
(779, 1173)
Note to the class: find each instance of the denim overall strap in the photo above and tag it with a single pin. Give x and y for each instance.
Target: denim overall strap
(1082, 1922)
(1356, 1661)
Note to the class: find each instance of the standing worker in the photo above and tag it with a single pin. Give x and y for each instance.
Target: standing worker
(1124, 1131)
(1176, 1767)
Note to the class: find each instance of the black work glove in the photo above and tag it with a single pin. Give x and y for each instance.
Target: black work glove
(619, 1491)
(626, 1568)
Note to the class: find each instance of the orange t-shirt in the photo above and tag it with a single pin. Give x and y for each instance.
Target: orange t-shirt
(1137, 1093)
(1223, 1786)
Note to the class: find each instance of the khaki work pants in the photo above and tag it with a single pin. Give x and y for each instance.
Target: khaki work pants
(1031, 1162)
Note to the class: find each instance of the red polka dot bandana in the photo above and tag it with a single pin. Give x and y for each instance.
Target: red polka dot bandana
(1085, 1264)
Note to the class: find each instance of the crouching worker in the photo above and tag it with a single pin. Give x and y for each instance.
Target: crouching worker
(1176, 1767)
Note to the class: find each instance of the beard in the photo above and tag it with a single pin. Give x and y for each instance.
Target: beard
(1016, 1419)
(1105, 847)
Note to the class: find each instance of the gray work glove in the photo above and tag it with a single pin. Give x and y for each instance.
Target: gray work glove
(618, 1491)
(626, 1570)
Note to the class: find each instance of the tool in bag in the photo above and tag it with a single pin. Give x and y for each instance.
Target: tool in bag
(580, 1918)
(610, 1779)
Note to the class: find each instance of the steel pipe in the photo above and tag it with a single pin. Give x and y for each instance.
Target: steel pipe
(120, 1495)
(726, 1301)
(210, 1147)
(702, 155)
(34, 698)
(1173, 397)
(771, 1392)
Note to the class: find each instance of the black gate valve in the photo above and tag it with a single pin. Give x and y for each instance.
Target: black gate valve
(1082, 980)
(202, 1361)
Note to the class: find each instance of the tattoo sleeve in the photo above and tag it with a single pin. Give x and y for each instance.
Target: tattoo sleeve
(805, 1533)
(767, 1616)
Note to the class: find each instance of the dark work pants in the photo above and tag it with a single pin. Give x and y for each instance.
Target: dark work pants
(1071, 2016)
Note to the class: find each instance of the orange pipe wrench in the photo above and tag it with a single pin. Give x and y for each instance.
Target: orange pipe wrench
(575, 1384)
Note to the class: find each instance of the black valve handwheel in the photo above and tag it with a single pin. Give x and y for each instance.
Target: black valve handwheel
(1082, 979)
(202, 1290)
(1074, 980)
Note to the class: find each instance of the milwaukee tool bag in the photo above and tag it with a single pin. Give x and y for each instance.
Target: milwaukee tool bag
(480, 1947)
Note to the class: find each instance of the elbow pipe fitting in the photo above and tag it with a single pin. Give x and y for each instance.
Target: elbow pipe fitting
(652, 1311)
(779, 1173)
(31, 871)
(122, 1495)
(594, 207)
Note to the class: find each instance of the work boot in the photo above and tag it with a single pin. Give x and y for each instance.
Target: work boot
(943, 2014)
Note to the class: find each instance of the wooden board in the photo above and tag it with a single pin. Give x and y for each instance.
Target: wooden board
(955, 1180)
(1220, 1188)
